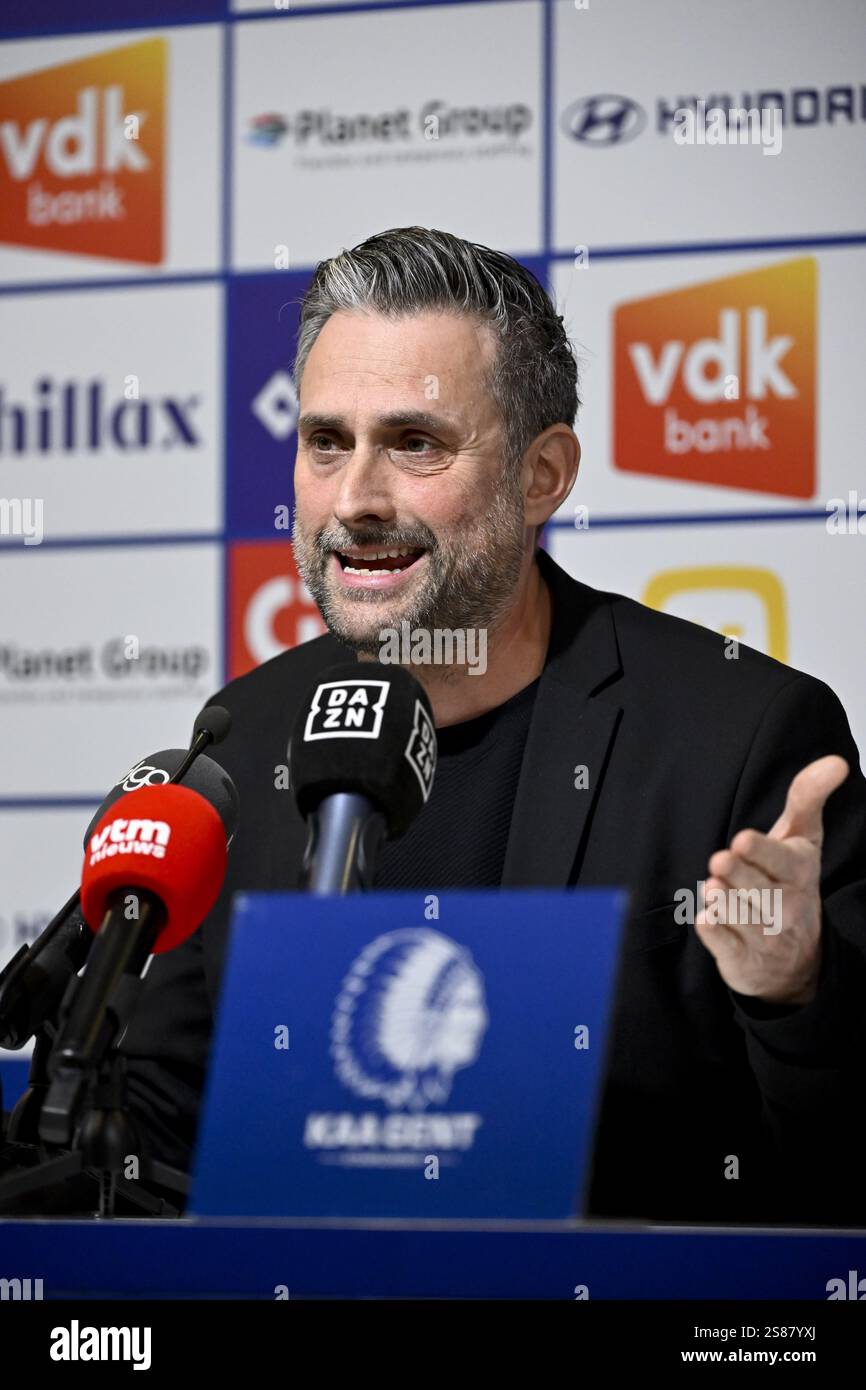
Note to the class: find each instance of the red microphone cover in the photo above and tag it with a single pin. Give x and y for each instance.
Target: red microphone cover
(167, 840)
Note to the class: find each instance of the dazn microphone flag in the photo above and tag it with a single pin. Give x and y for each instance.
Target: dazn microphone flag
(365, 728)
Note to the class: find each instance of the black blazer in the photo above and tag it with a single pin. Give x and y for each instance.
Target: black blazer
(684, 747)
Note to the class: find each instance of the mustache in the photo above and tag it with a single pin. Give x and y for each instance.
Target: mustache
(387, 537)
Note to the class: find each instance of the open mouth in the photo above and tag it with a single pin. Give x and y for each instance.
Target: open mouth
(363, 563)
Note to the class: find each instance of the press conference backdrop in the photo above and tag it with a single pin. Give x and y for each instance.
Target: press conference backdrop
(171, 173)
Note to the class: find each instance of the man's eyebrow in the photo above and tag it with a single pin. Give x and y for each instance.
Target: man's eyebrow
(395, 419)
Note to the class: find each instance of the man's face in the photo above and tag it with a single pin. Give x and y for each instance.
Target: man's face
(400, 449)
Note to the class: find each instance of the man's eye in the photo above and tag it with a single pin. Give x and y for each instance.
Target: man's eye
(324, 444)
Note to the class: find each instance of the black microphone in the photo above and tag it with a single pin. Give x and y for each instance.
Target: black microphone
(33, 982)
(362, 757)
(173, 765)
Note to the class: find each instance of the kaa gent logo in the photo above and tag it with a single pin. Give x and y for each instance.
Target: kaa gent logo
(410, 1014)
(346, 709)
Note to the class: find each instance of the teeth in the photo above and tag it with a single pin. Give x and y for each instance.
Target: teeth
(397, 554)
(386, 555)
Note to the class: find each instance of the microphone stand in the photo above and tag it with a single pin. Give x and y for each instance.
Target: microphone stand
(345, 835)
(30, 991)
(100, 1143)
(105, 1135)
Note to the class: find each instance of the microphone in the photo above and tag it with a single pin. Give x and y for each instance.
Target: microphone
(362, 757)
(153, 869)
(184, 765)
(167, 767)
(33, 982)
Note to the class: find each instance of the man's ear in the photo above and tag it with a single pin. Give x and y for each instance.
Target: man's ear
(549, 468)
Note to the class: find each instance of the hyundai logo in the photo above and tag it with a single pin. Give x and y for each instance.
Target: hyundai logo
(604, 120)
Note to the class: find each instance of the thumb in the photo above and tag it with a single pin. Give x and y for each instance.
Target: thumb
(806, 797)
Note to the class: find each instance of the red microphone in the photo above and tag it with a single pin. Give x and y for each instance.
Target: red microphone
(161, 848)
(153, 869)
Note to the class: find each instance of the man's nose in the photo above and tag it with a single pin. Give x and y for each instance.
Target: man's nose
(362, 489)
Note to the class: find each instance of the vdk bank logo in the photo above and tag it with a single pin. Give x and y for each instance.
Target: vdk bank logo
(410, 1014)
(716, 383)
(82, 156)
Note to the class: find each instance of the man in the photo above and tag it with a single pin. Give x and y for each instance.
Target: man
(604, 743)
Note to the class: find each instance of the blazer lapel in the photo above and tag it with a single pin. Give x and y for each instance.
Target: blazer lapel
(569, 731)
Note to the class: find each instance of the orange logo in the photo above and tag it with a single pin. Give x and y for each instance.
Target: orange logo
(716, 383)
(270, 608)
(81, 156)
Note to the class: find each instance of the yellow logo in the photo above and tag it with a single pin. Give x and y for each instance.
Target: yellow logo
(739, 601)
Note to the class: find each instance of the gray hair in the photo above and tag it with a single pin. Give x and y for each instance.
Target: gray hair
(407, 270)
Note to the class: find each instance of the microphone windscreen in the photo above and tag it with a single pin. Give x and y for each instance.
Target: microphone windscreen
(204, 776)
(215, 720)
(168, 841)
(368, 728)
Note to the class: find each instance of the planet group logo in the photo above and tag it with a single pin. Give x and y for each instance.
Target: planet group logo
(82, 155)
(716, 383)
(411, 1013)
(267, 130)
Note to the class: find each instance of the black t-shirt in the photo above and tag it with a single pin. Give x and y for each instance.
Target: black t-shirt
(460, 836)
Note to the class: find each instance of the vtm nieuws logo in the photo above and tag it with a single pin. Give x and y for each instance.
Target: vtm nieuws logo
(121, 836)
(716, 383)
(81, 156)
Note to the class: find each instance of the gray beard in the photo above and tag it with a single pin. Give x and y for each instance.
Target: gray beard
(471, 577)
